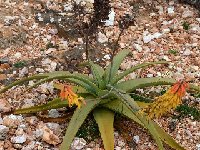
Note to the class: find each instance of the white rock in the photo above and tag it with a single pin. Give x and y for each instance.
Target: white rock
(136, 138)
(198, 19)
(138, 47)
(187, 52)
(18, 139)
(78, 143)
(121, 143)
(68, 7)
(111, 16)
(198, 146)
(170, 10)
(40, 70)
(118, 148)
(53, 31)
(18, 55)
(157, 35)
(147, 38)
(165, 57)
(107, 56)
(23, 72)
(102, 38)
(160, 9)
(149, 75)
(187, 14)
(166, 30)
(3, 132)
(4, 105)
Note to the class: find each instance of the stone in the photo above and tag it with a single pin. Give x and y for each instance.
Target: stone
(102, 38)
(18, 55)
(138, 47)
(53, 113)
(187, 52)
(3, 132)
(23, 72)
(53, 31)
(50, 50)
(19, 139)
(170, 10)
(107, 57)
(121, 143)
(78, 143)
(111, 16)
(4, 105)
(12, 121)
(147, 38)
(136, 138)
(55, 127)
(187, 14)
(49, 137)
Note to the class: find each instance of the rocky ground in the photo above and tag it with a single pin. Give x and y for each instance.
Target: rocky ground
(34, 40)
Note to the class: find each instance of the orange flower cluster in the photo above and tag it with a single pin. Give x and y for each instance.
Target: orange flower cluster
(170, 100)
(68, 94)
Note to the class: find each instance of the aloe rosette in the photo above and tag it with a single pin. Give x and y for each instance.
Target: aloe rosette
(103, 94)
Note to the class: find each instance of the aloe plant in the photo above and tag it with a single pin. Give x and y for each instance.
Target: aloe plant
(104, 93)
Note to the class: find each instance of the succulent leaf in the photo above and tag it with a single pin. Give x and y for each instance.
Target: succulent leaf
(54, 104)
(131, 85)
(76, 121)
(97, 72)
(105, 119)
(128, 71)
(112, 69)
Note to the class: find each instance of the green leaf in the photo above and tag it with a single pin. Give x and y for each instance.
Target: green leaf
(142, 120)
(117, 106)
(76, 121)
(22, 81)
(131, 85)
(112, 69)
(97, 72)
(126, 99)
(105, 119)
(128, 71)
(54, 104)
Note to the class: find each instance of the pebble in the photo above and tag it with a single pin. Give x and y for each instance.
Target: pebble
(102, 38)
(18, 139)
(170, 10)
(23, 72)
(121, 143)
(187, 52)
(136, 138)
(12, 121)
(18, 55)
(48, 136)
(138, 47)
(4, 105)
(3, 132)
(187, 14)
(53, 113)
(78, 143)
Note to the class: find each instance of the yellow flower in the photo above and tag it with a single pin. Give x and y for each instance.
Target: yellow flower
(68, 94)
(170, 100)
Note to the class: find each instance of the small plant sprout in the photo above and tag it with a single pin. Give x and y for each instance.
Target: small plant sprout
(104, 94)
